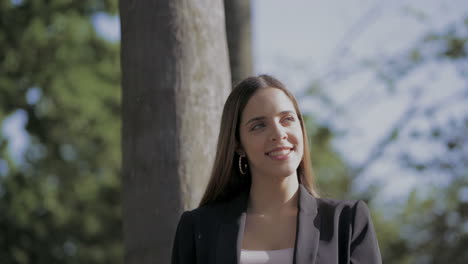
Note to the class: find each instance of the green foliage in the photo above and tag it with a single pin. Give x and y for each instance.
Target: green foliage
(332, 173)
(435, 218)
(60, 203)
(436, 223)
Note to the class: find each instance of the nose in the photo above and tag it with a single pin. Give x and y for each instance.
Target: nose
(278, 133)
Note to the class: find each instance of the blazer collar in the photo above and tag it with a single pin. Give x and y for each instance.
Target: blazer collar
(307, 231)
(227, 250)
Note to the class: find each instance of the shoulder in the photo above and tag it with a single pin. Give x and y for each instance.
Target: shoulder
(352, 212)
(192, 221)
(223, 209)
(208, 210)
(192, 224)
(327, 204)
(349, 223)
(202, 214)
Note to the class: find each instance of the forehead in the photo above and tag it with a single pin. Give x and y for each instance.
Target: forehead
(267, 102)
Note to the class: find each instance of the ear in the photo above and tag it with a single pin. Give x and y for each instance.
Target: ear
(240, 150)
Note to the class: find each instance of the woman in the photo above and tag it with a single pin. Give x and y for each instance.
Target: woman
(261, 205)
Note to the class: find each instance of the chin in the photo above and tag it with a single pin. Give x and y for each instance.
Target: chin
(284, 173)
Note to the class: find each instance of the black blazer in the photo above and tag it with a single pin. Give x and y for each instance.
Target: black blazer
(328, 231)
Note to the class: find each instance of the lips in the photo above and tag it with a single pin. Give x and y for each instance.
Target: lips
(280, 152)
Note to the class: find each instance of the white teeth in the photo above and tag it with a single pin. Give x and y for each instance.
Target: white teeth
(280, 153)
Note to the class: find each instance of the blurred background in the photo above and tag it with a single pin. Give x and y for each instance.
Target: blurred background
(383, 84)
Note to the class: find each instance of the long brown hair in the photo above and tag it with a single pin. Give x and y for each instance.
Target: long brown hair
(226, 181)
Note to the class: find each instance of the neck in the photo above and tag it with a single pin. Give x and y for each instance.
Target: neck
(269, 196)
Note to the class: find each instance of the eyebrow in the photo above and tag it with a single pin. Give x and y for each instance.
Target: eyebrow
(262, 117)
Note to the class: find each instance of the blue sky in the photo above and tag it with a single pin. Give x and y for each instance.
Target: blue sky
(302, 41)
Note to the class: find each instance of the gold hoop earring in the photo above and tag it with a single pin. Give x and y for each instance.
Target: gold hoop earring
(240, 166)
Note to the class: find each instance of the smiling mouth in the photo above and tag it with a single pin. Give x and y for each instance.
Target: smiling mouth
(280, 154)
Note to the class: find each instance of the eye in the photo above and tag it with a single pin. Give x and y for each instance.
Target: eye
(257, 126)
(289, 119)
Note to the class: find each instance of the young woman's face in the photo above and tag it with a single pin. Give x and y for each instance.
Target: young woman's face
(271, 134)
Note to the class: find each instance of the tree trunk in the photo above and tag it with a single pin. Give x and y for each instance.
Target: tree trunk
(239, 37)
(175, 79)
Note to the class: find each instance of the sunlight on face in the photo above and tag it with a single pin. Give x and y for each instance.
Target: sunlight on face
(271, 134)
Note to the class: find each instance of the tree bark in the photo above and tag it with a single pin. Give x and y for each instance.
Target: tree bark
(175, 79)
(239, 37)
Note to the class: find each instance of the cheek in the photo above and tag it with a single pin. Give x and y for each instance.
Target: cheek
(300, 141)
(297, 132)
(254, 148)
(249, 144)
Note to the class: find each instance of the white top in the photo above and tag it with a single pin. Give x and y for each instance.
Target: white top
(245, 256)
(280, 256)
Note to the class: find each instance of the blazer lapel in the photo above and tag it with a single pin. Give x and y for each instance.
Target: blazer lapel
(307, 231)
(227, 249)
(227, 243)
